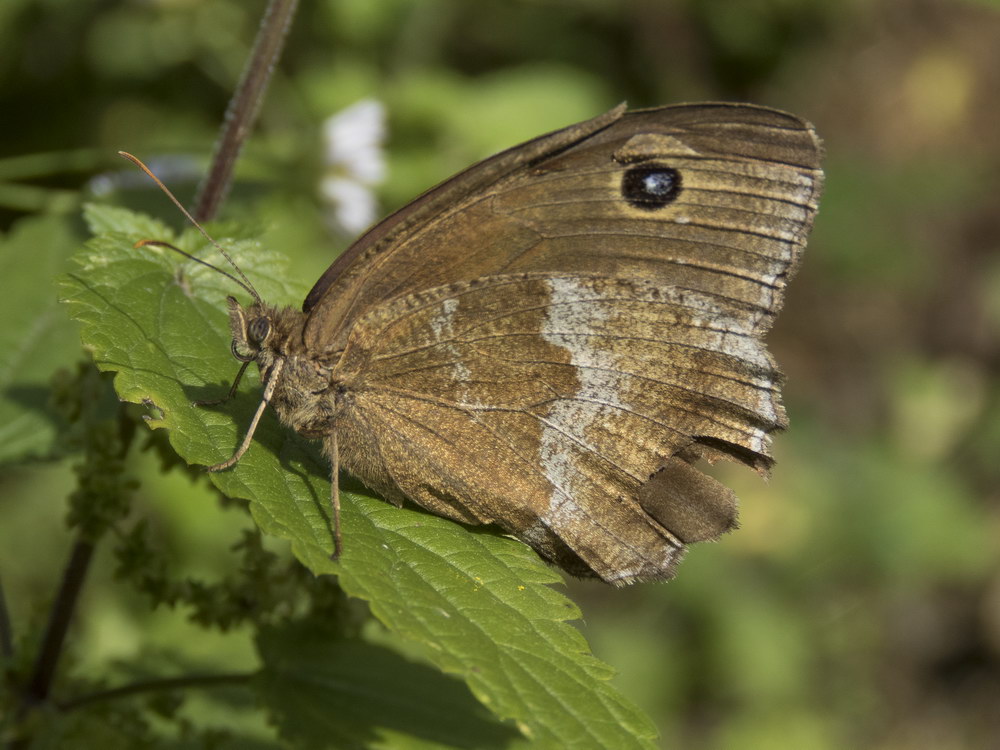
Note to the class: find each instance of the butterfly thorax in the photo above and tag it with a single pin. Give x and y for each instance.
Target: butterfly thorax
(303, 396)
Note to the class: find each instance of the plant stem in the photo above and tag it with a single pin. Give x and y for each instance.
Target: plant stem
(147, 686)
(38, 687)
(6, 631)
(244, 106)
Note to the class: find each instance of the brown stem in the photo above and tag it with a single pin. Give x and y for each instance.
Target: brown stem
(149, 686)
(6, 631)
(40, 683)
(244, 106)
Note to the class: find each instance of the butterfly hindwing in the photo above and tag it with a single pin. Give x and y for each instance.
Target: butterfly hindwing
(546, 402)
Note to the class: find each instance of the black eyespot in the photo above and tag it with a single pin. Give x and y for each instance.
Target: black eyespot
(651, 186)
(258, 330)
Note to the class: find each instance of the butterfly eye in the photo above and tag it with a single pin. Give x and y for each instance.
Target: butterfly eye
(258, 330)
(651, 187)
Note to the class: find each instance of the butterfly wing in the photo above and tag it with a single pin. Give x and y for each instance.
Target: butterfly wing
(745, 183)
(551, 339)
(544, 403)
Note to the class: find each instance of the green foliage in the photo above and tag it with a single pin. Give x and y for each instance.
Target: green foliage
(35, 340)
(324, 691)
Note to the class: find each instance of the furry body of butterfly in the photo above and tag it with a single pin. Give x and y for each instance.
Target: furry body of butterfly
(551, 339)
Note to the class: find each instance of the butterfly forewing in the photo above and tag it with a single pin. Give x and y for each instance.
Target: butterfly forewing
(748, 184)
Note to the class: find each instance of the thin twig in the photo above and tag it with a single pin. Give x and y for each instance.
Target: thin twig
(6, 630)
(244, 106)
(149, 686)
(40, 683)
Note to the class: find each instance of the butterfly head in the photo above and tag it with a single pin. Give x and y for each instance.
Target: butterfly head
(252, 328)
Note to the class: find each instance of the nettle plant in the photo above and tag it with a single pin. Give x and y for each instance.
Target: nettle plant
(423, 633)
(454, 602)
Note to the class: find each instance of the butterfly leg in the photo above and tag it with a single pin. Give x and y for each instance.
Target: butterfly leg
(335, 492)
(248, 438)
(232, 390)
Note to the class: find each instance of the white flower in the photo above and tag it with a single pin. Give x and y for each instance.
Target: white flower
(353, 204)
(353, 145)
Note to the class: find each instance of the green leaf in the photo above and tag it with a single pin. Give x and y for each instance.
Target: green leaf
(325, 692)
(36, 338)
(477, 601)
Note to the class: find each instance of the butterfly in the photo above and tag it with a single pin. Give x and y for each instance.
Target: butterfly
(550, 340)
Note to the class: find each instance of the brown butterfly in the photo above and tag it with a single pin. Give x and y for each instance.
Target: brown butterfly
(551, 339)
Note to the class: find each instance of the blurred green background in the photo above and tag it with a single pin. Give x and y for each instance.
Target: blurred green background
(859, 604)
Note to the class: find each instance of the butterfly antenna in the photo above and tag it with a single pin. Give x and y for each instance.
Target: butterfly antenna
(245, 283)
(160, 243)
